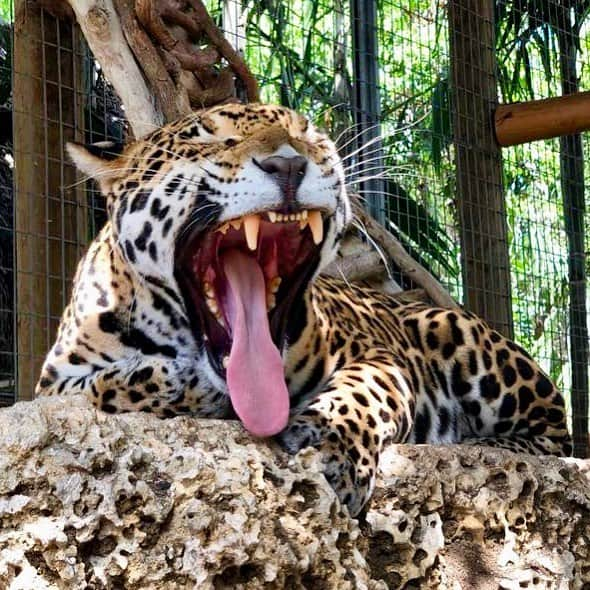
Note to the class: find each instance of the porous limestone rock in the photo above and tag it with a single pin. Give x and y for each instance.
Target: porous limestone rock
(89, 500)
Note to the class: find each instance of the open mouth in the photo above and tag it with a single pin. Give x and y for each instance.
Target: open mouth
(240, 282)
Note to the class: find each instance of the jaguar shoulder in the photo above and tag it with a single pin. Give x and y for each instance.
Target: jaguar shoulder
(201, 296)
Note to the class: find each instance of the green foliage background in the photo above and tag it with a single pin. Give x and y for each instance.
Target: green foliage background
(6, 11)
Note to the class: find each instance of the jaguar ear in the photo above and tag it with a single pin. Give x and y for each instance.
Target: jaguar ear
(97, 160)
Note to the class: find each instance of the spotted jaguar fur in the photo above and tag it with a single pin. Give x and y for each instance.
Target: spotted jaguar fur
(201, 296)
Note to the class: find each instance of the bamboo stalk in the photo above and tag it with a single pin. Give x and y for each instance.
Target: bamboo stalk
(522, 122)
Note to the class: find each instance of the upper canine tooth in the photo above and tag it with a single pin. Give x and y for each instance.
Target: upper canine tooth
(316, 226)
(251, 227)
(236, 223)
(272, 216)
(270, 301)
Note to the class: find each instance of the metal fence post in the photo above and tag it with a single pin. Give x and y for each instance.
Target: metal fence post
(367, 107)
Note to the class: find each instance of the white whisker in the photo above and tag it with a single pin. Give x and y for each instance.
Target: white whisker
(384, 176)
(355, 136)
(360, 226)
(364, 145)
(343, 276)
(376, 152)
(383, 135)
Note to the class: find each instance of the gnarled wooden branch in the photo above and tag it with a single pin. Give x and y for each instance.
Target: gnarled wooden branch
(233, 58)
(102, 28)
(58, 8)
(152, 53)
(172, 98)
(179, 28)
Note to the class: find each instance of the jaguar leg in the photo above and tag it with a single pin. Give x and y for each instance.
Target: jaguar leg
(163, 386)
(361, 408)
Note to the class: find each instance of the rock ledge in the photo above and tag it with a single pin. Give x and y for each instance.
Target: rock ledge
(95, 501)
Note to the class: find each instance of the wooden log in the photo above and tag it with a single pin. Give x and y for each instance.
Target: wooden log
(522, 122)
(358, 267)
(29, 186)
(480, 196)
(50, 210)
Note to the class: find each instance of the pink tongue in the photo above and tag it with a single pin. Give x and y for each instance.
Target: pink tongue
(255, 374)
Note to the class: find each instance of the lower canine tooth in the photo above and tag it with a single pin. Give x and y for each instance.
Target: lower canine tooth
(316, 226)
(212, 305)
(275, 284)
(251, 227)
(208, 288)
(270, 301)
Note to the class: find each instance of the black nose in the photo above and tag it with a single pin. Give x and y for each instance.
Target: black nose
(282, 167)
(287, 172)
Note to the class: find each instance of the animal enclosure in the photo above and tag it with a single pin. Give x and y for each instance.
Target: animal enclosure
(408, 89)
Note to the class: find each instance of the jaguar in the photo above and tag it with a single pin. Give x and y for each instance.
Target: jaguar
(202, 296)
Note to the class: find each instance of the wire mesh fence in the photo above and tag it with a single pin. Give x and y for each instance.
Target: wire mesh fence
(407, 88)
(7, 359)
(58, 95)
(542, 52)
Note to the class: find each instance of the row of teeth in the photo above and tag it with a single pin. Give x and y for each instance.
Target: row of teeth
(271, 288)
(251, 224)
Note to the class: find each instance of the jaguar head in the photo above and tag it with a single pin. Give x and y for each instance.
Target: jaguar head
(237, 209)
